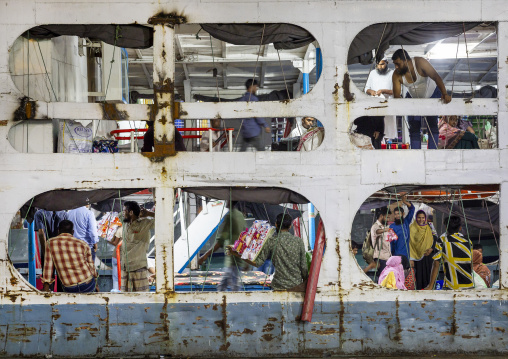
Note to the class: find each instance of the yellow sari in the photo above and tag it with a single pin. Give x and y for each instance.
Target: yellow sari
(421, 239)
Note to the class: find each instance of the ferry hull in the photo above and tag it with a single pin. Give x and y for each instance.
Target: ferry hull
(261, 329)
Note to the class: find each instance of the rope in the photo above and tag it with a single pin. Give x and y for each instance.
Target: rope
(379, 247)
(211, 255)
(468, 238)
(456, 62)
(275, 246)
(214, 71)
(117, 36)
(253, 77)
(375, 54)
(493, 233)
(46, 70)
(404, 232)
(24, 219)
(283, 75)
(468, 64)
(416, 92)
(28, 63)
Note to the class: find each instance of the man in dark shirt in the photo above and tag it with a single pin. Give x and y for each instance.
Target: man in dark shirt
(46, 224)
(251, 127)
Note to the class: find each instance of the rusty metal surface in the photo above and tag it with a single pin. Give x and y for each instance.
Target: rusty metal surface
(261, 329)
(110, 111)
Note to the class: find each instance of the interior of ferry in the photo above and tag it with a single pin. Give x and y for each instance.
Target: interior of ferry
(213, 64)
(477, 206)
(200, 219)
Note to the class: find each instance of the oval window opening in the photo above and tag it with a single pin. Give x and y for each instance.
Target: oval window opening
(430, 237)
(424, 132)
(464, 56)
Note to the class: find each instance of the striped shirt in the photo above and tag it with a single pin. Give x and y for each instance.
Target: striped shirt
(72, 259)
(455, 250)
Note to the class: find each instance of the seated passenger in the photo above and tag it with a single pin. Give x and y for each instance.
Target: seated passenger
(372, 127)
(204, 145)
(288, 256)
(312, 138)
(72, 259)
(481, 269)
(393, 274)
(307, 123)
(409, 274)
(455, 251)
(452, 137)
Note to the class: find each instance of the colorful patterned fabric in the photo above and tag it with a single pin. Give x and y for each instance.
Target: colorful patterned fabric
(72, 259)
(455, 250)
(410, 281)
(105, 146)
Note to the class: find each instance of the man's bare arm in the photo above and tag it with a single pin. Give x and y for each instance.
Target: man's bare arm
(396, 85)
(371, 92)
(429, 71)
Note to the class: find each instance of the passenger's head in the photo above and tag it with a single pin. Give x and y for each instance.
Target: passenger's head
(421, 218)
(382, 214)
(355, 247)
(215, 123)
(308, 122)
(405, 262)
(66, 226)
(398, 213)
(251, 86)
(478, 247)
(454, 224)
(477, 257)
(382, 66)
(400, 59)
(283, 221)
(131, 211)
(453, 120)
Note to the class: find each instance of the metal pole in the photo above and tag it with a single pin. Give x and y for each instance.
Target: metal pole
(312, 216)
(210, 144)
(31, 253)
(319, 63)
(230, 140)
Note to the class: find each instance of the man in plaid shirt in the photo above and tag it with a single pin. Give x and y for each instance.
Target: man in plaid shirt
(72, 259)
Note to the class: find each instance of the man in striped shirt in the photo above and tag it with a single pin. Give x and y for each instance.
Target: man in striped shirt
(72, 259)
(456, 253)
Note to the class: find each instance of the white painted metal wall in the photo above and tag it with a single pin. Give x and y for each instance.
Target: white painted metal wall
(337, 177)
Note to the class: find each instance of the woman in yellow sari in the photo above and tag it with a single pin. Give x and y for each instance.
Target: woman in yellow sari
(421, 245)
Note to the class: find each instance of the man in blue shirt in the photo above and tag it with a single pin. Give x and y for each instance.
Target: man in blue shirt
(85, 227)
(251, 127)
(400, 247)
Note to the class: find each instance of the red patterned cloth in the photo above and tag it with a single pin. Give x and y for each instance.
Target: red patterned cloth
(410, 280)
(72, 259)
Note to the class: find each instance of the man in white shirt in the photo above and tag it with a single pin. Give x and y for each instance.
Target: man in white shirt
(307, 122)
(380, 84)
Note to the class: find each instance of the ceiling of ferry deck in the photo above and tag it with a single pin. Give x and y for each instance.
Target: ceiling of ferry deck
(197, 56)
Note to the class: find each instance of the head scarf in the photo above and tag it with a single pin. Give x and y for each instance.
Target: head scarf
(393, 264)
(480, 268)
(421, 238)
(449, 136)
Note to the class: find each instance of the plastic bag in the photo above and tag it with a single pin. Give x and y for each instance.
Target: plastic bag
(73, 137)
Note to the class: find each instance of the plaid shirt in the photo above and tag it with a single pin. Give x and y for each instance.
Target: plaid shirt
(71, 257)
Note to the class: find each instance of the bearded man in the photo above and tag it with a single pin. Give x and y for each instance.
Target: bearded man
(421, 81)
(379, 84)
